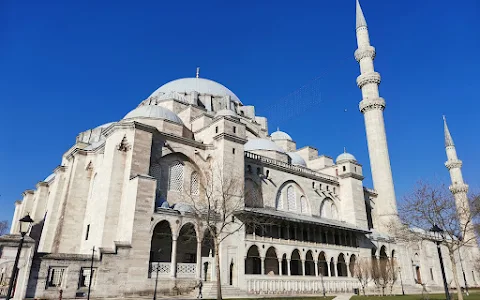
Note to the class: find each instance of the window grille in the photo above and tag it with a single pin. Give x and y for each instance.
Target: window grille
(85, 277)
(304, 204)
(194, 184)
(55, 277)
(291, 199)
(279, 203)
(175, 182)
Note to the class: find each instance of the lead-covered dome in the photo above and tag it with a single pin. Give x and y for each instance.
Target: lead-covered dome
(345, 157)
(262, 144)
(154, 112)
(296, 159)
(280, 135)
(200, 85)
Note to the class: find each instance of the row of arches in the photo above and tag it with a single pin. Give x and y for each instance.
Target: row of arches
(294, 265)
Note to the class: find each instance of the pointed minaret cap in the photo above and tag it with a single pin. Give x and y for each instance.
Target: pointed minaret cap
(448, 136)
(360, 17)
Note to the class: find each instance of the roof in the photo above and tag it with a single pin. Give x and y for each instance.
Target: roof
(262, 144)
(297, 159)
(345, 157)
(155, 112)
(304, 219)
(280, 135)
(200, 85)
(361, 22)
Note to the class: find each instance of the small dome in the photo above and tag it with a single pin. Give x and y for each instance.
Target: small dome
(297, 159)
(182, 207)
(154, 112)
(226, 112)
(200, 85)
(280, 135)
(345, 157)
(262, 144)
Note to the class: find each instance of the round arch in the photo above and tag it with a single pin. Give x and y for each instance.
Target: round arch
(187, 239)
(253, 262)
(322, 264)
(295, 263)
(309, 264)
(161, 243)
(288, 196)
(341, 266)
(271, 262)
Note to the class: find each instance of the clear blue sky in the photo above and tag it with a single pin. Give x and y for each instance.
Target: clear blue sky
(70, 66)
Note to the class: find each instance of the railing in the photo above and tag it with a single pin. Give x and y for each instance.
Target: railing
(278, 285)
(299, 169)
(184, 270)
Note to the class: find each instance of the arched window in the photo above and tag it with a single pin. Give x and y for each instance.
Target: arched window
(194, 184)
(291, 199)
(304, 205)
(328, 209)
(175, 180)
(279, 201)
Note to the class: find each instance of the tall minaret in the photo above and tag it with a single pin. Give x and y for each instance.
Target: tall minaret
(458, 188)
(372, 107)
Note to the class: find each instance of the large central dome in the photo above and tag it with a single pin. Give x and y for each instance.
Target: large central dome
(200, 85)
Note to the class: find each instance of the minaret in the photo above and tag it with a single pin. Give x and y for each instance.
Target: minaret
(458, 188)
(372, 107)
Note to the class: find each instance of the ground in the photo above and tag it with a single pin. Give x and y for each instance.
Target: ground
(472, 296)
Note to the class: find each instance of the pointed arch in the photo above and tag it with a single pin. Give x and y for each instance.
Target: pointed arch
(161, 243)
(252, 261)
(341, 266)
(351, 265)
(271, 262)
(296, 263)
(309, 264)
(304, 206)
(322, 264)
(328, 209)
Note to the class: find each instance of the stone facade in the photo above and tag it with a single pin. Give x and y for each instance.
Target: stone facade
(125, 197)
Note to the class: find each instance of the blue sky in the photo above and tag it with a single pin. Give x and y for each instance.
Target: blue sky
(69, 66)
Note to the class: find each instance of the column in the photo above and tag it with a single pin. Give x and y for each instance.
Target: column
(280, 271)
(316, 267)
(328, 267)
(173, 266)
(199, 260)
(303, 267)
(335, 267)
(288, 267)
(263, 265)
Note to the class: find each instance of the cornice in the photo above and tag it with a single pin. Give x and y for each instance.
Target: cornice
(26, 192)
(59, 169)
(351, 174)
(372, 104)
(41, 184)
(458, 188)
(230, 137)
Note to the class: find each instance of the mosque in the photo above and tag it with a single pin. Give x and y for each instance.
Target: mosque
(124, 196)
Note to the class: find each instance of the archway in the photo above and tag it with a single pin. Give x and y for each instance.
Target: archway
(309, 264)
(332, 267)
(208, 246)
(383, 259)
(322, 264)
(271, 261)
(351, 266)
(295, 263)
(161, 245)
(341, 266)
(284, 265)
(187, 241)
(253, 263)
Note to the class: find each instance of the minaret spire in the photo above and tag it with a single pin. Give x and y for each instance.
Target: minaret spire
(448, 137)
(458, 188)
(360, 17)
(372, 106)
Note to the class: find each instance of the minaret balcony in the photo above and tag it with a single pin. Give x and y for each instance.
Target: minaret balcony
(458, 188)
(451, 164)
(367, 78)
(363, 52)
(372, 104)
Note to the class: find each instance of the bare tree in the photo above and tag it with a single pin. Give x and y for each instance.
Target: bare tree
(3, 227)
(219, 207)
(428, 205)
(392, 271)
(362, 270)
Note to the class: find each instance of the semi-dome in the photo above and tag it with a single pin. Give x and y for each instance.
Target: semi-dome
(296, 159)
(345, 157)
(200, 85)
(280, 135)
(262, 144)
(154, 112)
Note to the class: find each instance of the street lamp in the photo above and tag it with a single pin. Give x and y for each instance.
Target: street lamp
(156, 269)
(25, 225)
(401, 280)
(438, 234)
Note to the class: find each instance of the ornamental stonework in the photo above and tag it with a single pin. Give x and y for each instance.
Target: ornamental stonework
(453, 164)
(459, 188)
(363, 52)
(367, 78)
(372, 104)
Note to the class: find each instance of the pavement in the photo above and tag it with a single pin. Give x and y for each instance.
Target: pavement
(343, 297)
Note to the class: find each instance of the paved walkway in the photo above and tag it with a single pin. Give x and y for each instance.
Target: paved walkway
(343, 297)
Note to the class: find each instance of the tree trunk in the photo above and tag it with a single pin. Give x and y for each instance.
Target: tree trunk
(363, 290)
(455, 277)
(217, 269)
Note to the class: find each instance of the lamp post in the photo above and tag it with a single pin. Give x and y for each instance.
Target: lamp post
(401, 280)
(156, 269)
(25, 225)
(438, 233)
